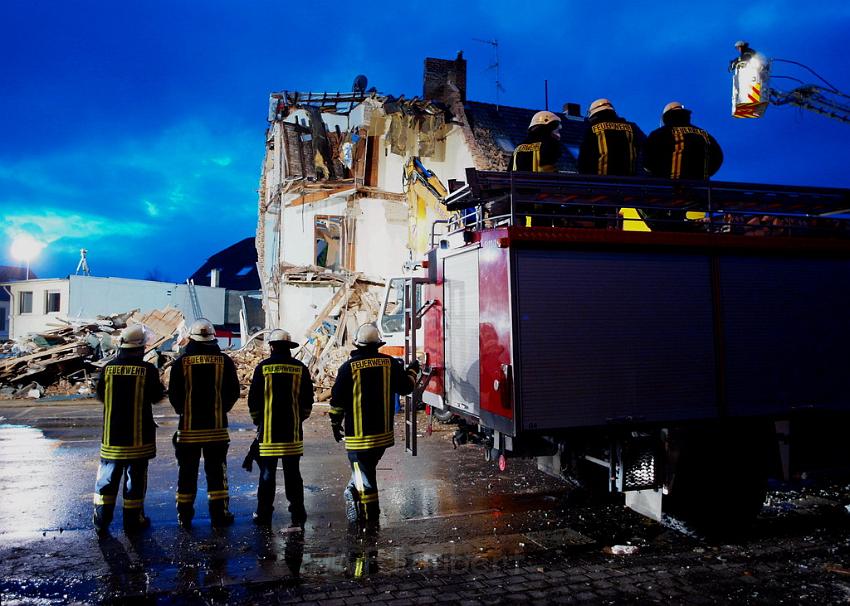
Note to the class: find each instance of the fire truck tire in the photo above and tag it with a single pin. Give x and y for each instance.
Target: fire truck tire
(720, 480)
(443, 416)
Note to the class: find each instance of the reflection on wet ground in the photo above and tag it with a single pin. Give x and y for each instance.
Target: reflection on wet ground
(443, 511)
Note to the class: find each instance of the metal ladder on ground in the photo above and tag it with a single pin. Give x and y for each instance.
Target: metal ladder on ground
(193, 299)
(412, 320)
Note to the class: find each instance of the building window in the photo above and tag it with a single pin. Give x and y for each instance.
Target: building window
(329, 245)
(25, 302)
(3, 312)
(51, 301)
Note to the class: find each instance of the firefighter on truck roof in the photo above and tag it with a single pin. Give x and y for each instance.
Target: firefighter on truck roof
(541, 149)
(362, 408)
(128, 387)
(202, 390)
(280, 398)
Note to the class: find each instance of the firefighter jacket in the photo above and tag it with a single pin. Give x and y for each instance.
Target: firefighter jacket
(611, 146)
(362, 397)
(202, 390)
(128, 386)
(539, 152)
(280, 398)
(679, 150)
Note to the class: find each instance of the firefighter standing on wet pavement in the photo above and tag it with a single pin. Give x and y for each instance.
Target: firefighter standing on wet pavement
(362, 408)
(280, 398)
(128, 387)
(202, 389)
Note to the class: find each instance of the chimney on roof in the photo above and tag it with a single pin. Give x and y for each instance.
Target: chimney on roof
(443, 77)
(572, 109)
(215, 277)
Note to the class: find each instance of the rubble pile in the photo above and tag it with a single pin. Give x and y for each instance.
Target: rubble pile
(67, 359)
(330, 337)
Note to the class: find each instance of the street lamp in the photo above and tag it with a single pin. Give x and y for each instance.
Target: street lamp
(26, 248)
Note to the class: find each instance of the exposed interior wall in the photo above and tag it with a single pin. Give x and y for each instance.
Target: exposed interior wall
(300, 305)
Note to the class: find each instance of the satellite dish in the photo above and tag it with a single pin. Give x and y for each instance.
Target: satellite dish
(360, 83)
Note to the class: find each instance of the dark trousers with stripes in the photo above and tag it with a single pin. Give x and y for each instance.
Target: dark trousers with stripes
(361, 494)
(134, 472)
(215, 467)
(292, 484)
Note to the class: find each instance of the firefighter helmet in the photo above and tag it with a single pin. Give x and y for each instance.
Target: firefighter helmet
(281, 336)
(598, 106)
(671, 106)
(132, 336)
(202, 330)
(741, 44)
(368, 335)
(542, 118)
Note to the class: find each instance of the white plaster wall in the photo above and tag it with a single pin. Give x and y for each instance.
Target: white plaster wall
(381, 238)
(92, 296)
(37, 321)
(300, 305)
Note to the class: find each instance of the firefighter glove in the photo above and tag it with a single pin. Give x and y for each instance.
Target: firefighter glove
(337, 429)
(414, 366)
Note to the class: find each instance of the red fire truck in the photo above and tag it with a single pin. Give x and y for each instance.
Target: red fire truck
(683, 364)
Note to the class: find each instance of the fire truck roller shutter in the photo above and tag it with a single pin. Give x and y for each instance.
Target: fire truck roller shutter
(606, 335)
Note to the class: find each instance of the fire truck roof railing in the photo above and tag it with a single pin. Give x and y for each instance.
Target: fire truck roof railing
(559, 199)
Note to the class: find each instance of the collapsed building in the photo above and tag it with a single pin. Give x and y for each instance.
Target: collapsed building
(352, 183)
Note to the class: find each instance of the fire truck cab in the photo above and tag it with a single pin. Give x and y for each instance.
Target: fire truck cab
(681, 366)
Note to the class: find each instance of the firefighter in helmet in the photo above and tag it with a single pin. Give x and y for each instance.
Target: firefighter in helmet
(680, 150)
(611, 146)
(541, 149)
(280, 398)
(128, 387)
(362, 410)
(202, 390)
(539, 153)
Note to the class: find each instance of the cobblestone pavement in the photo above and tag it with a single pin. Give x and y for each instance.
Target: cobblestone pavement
(454, 530)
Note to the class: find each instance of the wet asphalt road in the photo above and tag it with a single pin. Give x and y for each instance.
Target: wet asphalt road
(453, 529)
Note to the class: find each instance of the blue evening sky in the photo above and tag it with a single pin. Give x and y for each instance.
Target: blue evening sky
(136, 130)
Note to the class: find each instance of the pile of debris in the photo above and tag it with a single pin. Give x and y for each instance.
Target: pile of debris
(67, 359)
(330, 337)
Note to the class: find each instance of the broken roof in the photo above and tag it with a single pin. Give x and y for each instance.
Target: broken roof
(507, 127)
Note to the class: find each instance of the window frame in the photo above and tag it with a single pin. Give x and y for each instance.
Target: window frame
(47, 295)
(21, 294)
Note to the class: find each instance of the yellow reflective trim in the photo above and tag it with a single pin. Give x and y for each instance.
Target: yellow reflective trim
(107, 411)
(387, 400)
(602, 142)
(358, 478)
(133, 503)
(296, 414)
(366, 442)
(267, 409)
(185, 497)
(281, 449)
(217, 495)
(187, 402)
(357, 404)
(371, 497)
(103, 499)
(137, 409)
(219, 409)
(277, 369)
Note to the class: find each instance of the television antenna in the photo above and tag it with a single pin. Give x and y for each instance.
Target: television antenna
(494, 65)
(83, 265)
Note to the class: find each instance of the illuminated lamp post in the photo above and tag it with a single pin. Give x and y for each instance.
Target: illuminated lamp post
(26, 248)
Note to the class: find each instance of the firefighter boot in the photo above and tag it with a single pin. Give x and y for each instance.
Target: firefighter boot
(299, 515)
(372, 514)
(185, 515)
(351, 506)
(135, 520)
(101, 518)
(220, 516)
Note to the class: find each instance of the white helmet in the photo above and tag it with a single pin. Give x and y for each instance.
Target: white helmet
(598, 106)
(671, 106)
(202, 330)
(544, 117)
(368, 335)
(132, 336)
(281, 336)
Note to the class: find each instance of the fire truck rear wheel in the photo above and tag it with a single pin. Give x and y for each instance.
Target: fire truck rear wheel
(443, 416)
